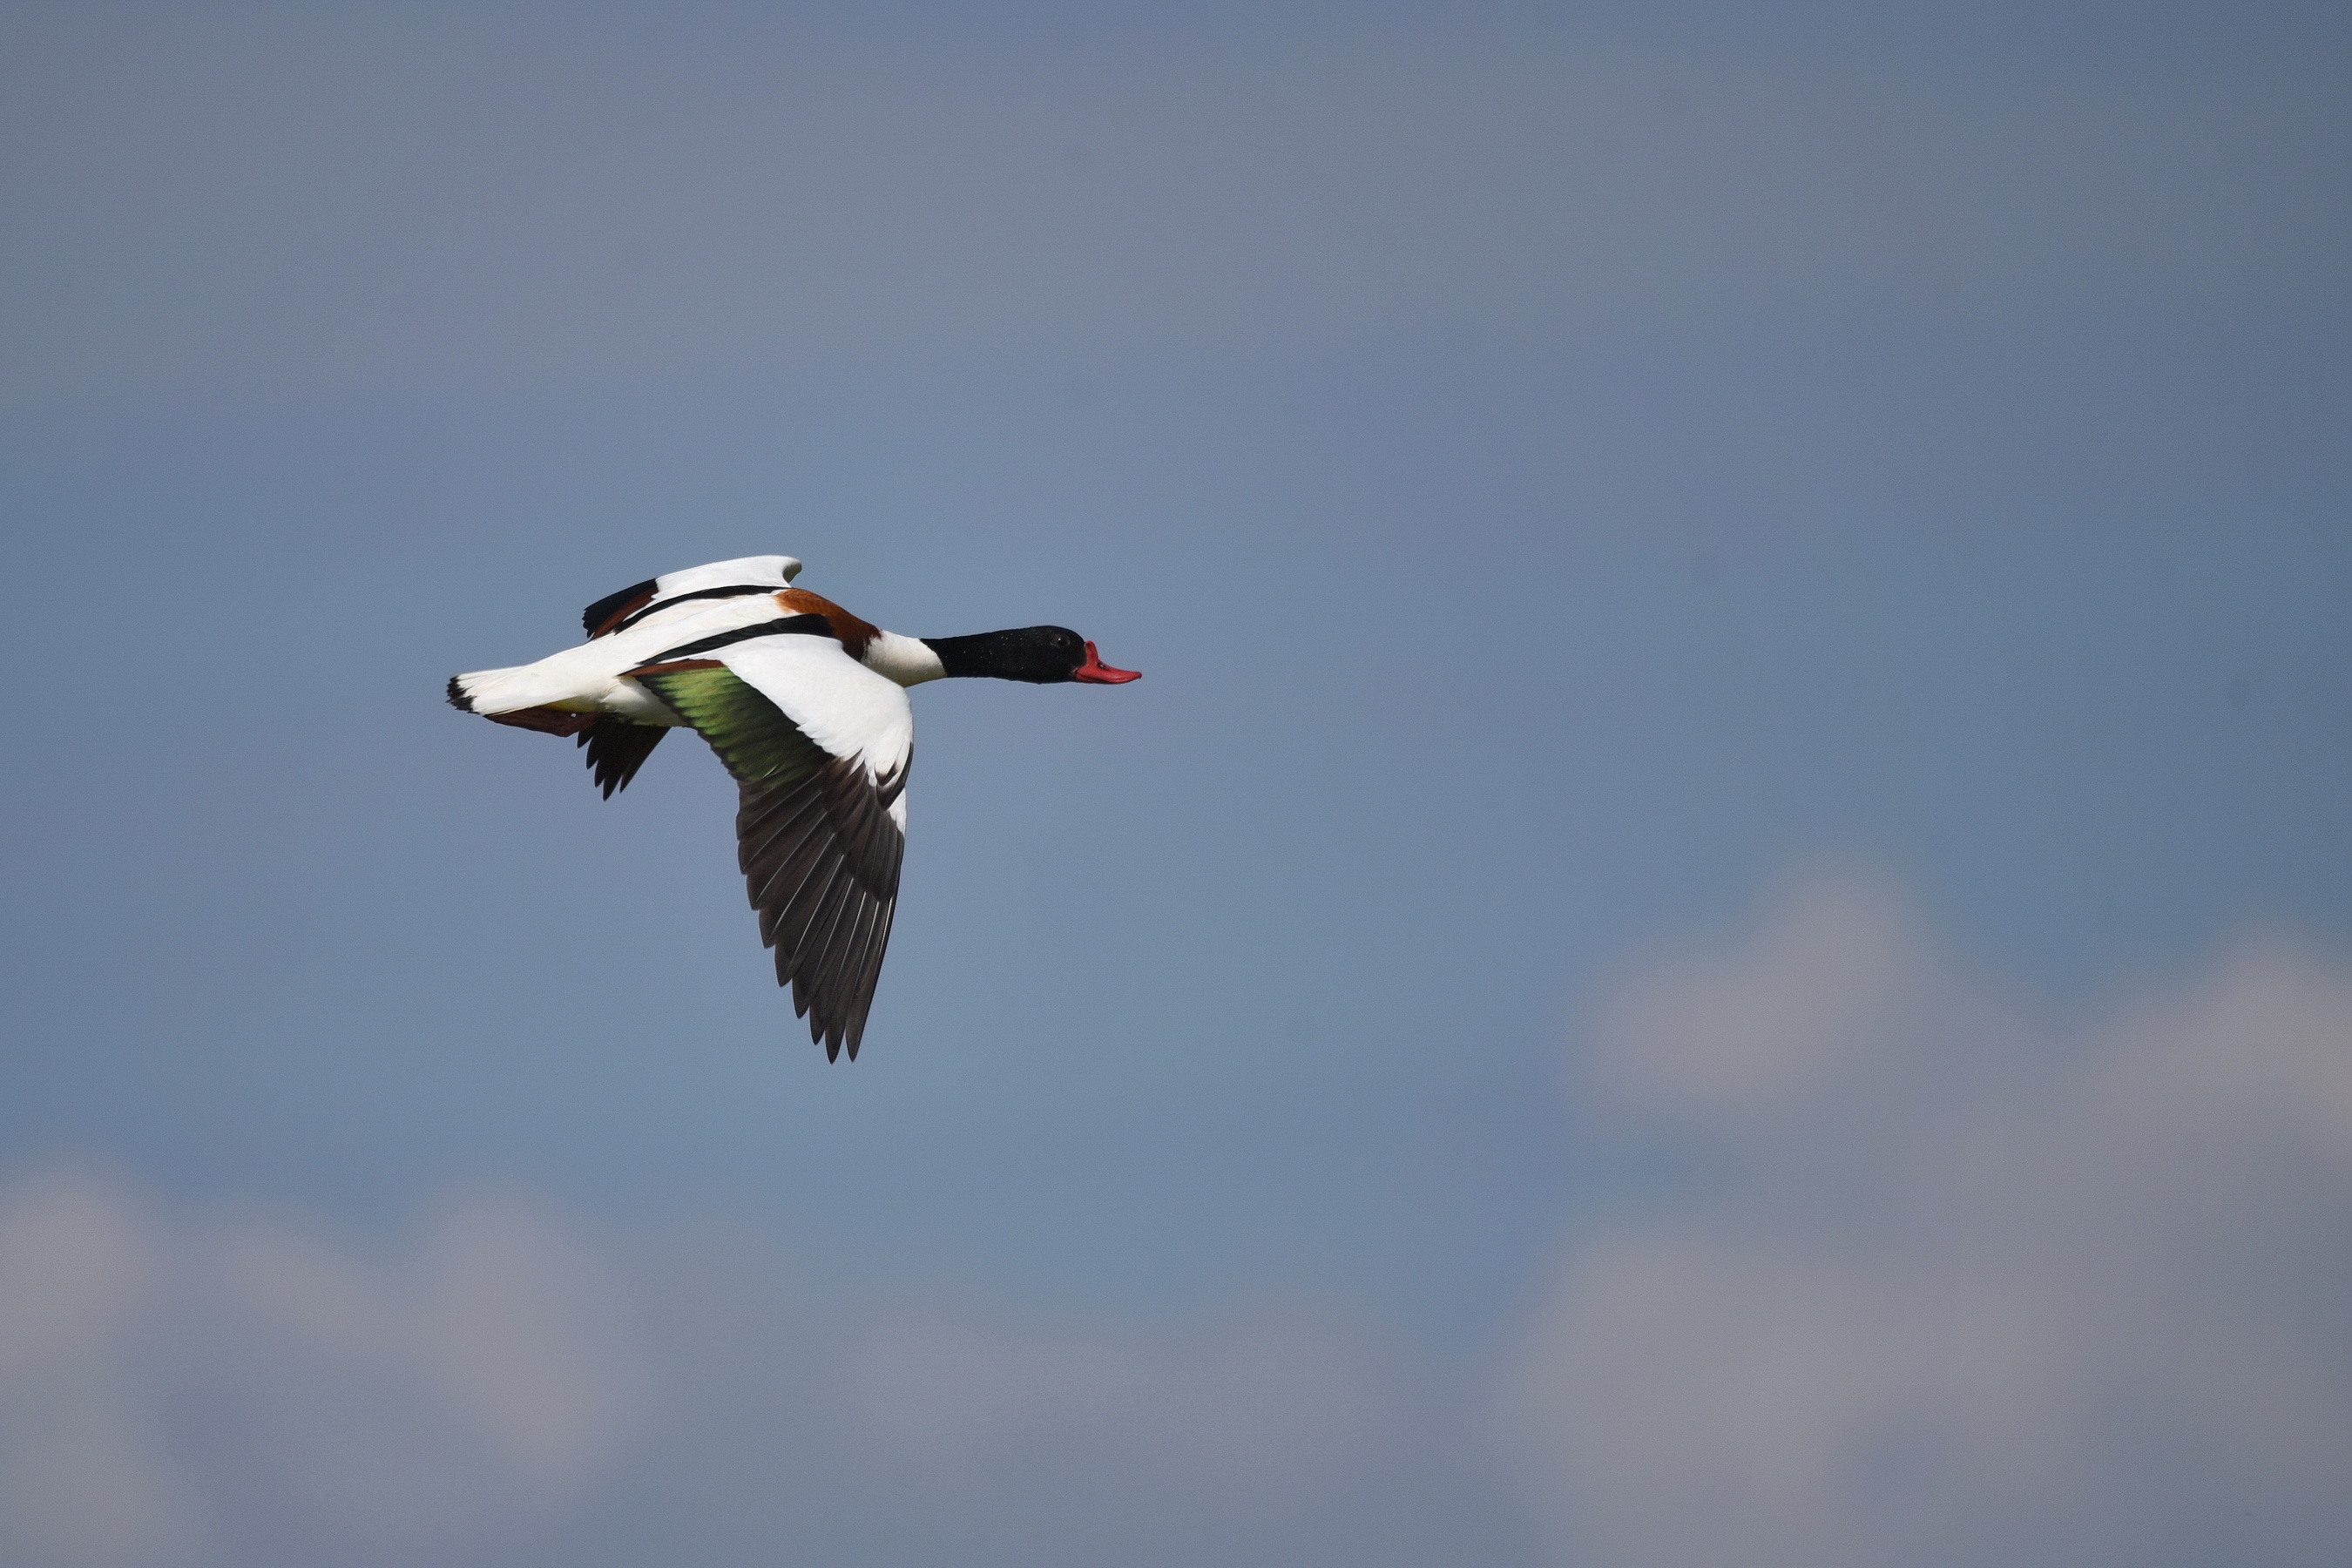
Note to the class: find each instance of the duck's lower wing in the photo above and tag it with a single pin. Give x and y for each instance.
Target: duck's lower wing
(821, 760)
(617, 748)
(820, 859)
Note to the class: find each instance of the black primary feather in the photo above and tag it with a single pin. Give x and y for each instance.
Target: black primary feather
(617, 748)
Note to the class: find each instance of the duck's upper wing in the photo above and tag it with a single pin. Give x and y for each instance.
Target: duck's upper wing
(819, 746)
(718, 580)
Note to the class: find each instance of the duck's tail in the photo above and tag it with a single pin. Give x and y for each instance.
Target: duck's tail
(493, 692)
(617, 747)
(485, 691)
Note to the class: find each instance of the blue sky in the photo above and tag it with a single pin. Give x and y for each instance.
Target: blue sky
(1742, 758)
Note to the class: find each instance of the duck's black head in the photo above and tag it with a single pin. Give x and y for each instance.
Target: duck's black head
(1040, 654)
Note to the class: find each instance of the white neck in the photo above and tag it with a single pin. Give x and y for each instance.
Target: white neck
(906, 660)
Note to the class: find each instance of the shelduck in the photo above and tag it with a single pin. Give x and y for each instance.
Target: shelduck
(806, 705)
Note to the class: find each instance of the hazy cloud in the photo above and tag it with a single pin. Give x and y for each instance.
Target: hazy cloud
(86, 1478)
(1963, 1286)
(1943, 1283)
(505, 1388)
(158, 1383)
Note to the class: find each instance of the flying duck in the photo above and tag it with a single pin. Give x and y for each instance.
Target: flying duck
(806, 705)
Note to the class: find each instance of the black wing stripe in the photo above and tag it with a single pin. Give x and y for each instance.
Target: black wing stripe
(733, 591)
(598, 616)
(802, 625)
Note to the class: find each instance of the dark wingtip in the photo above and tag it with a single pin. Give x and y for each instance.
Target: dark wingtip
(599, 617)
(821, 853)
(815, 1017)
(458, 697)
(616, 750)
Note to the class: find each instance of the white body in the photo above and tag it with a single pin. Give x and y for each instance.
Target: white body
(591, 676)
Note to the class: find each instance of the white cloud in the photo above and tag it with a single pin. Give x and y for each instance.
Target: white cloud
(487, 1367)
(85, 1476)
(506, 1386)
(1950, 1286)
(155, 1379)
(1960, 1288)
